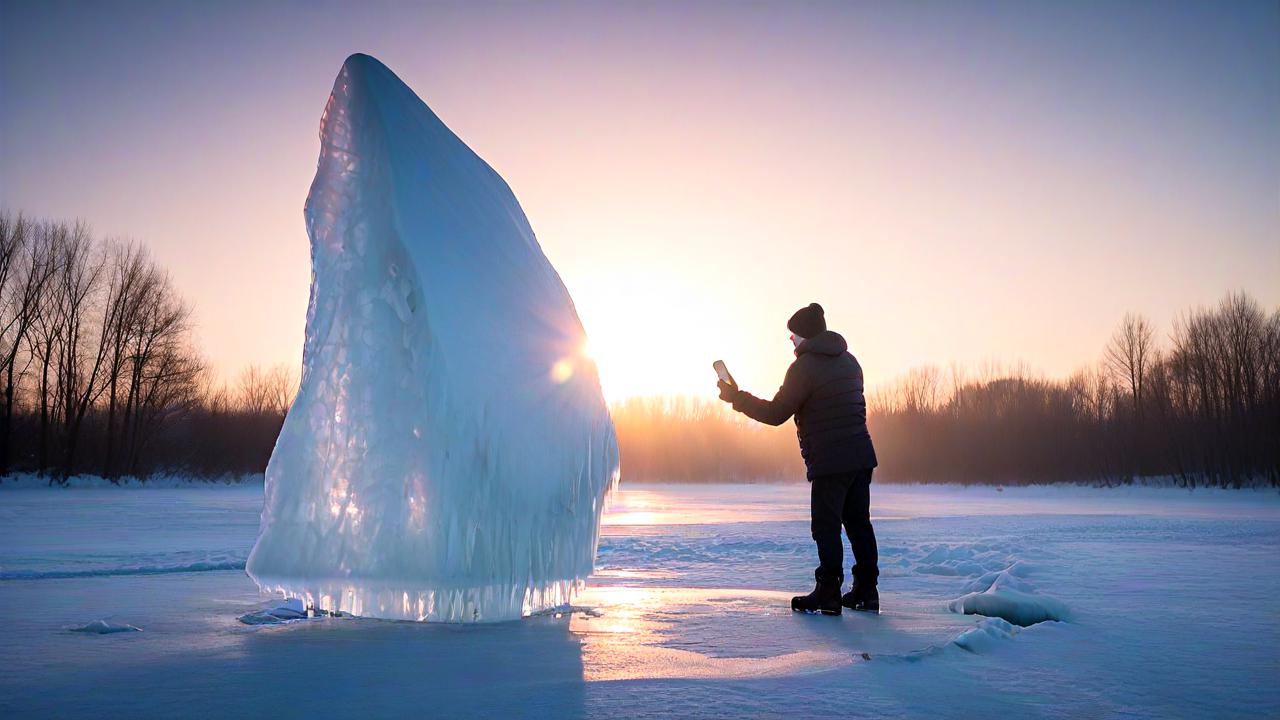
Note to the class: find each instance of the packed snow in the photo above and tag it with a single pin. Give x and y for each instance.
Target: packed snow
(449, 452)
(1170, 600)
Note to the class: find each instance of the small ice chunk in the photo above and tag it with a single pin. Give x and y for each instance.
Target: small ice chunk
(290, 608)
(102, 627)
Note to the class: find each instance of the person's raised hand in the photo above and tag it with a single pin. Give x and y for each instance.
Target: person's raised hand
(728, 392)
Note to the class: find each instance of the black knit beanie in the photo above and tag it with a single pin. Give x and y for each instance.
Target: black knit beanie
(808, 321)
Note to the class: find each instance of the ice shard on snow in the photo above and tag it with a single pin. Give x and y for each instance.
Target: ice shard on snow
(449, 452)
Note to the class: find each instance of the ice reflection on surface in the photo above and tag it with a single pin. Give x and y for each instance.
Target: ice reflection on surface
(633, 632)
(707, 504)
(714, 505)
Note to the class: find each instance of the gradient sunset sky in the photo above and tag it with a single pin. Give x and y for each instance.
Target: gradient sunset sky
(953, 181)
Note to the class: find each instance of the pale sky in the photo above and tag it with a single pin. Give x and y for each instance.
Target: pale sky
(960, 182)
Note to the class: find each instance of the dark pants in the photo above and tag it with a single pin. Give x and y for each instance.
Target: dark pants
(844, 500)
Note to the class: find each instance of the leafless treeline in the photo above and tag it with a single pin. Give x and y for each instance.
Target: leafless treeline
(98, 369)
(1201, 406)
(100, 375)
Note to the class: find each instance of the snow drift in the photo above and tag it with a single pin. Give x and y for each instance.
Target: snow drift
(1003, 595)
(449, 452)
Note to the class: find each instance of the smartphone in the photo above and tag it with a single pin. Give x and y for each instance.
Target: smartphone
(723, 372)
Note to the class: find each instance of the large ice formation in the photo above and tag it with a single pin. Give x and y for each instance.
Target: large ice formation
(449, 452)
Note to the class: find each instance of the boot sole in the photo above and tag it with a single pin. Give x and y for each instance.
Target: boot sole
(816, 612)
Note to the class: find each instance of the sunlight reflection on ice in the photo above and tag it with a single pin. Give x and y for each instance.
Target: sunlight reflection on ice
(631, 632)
(635, 506)
(707, 505)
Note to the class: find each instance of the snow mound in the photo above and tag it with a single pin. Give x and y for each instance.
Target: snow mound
(950, 559)
(985, 634)
(102, 627)
(449, 452)
(1018, 569)
(1007, 596)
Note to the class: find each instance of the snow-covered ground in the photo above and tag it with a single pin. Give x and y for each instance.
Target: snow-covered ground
(1169, 602)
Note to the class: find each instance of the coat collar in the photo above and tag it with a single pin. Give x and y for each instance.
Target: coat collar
(824, 343)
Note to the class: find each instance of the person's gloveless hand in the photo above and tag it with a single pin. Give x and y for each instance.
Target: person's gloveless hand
(728, 392)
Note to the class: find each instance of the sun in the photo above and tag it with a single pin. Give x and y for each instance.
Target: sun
(644, 344)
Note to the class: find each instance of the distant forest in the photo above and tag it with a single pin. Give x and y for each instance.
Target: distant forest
(99, 371)
(1199, 407)
(100, 375)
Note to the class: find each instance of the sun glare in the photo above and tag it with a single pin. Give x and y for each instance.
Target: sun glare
(641, 351)
(657, 333)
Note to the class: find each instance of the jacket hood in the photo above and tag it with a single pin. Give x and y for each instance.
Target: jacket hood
(824, 343)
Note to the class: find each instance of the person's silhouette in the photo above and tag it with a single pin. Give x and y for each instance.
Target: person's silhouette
(823, 389)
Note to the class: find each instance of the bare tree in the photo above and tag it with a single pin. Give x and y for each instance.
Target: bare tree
(163, 368)
(282, 384)
(132, 277)
(46, 337)
(170, 389)
(253, 394)
(26, 267)
(13, 240)
(78, 283)
(1128, 355)
(266, 392)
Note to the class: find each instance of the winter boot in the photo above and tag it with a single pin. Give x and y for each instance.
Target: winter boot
(825, 598)
(864, 598)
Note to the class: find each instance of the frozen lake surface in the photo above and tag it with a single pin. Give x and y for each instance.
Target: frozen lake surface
(1171, 602)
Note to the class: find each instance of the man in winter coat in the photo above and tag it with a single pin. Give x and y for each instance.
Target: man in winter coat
(823, 389)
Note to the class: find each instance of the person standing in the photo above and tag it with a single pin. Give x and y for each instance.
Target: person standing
(823, 389)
